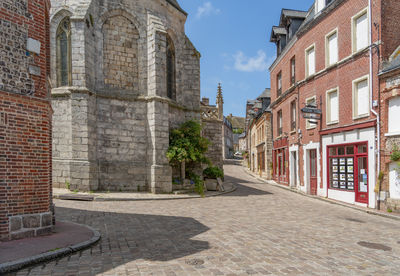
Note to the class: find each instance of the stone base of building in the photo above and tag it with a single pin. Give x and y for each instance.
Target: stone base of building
(393, 204)
(32, 225)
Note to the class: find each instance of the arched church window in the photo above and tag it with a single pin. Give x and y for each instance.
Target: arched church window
(171, 88)
(64, 66)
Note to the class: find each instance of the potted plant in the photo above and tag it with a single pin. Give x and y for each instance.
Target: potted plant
(211, 175)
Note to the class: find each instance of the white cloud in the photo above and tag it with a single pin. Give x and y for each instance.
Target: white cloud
(206, 9)
(251, 64)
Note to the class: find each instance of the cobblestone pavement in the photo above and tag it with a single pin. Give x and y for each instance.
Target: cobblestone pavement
(257, 230)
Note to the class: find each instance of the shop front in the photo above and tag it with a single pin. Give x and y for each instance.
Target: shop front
(281, 161)
(348, 166)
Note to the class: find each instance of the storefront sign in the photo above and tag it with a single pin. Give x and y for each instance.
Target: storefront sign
(312, 116)
(311, 110)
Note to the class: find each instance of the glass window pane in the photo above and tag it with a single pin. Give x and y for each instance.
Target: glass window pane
(350, 150)
(362, 149)
(332, 151)
(341, 151)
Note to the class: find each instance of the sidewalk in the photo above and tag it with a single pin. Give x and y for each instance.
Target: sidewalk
(127, 196)
(355, 207)
(67, 237)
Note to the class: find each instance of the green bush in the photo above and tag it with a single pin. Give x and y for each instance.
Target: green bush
(213, 172)
(187, 145)
(395, 155)
(198, 183)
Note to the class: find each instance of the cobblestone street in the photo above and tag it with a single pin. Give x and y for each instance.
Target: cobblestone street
(256, 230)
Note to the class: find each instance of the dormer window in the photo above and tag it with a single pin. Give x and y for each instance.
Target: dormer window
(319, 5)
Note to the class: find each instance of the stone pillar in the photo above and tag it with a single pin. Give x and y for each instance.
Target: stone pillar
(83, 165)
(160, 172)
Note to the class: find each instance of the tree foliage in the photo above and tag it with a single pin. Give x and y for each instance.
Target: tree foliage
(187, 145)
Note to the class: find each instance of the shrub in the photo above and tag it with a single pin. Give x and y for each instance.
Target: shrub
(395, 155)
(213, 172)
(187, 145)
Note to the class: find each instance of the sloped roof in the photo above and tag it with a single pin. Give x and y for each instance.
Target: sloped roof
(237, 122)
(391, 65)
(265, 94)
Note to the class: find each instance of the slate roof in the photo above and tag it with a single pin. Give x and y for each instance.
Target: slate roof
(265, 94)
(392, 65)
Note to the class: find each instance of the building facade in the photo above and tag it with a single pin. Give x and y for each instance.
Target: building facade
(25, 120)
(389, 187)
(123, 74)
(325, 96)
(259, 132)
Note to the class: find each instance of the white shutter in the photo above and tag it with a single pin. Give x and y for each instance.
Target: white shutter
(311, 61)
(361, 32)
(362, 98)
(334, 106)
(333, 49)
(394, 114)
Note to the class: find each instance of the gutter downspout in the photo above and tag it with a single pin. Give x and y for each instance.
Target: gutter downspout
(378, 154)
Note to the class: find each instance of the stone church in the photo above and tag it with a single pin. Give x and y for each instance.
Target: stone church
(123, 74)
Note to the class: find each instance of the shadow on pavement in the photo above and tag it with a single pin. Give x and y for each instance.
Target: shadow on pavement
(128, 237)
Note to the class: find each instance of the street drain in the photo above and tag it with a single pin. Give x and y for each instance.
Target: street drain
(372, 245)
(194, 262)
(355, 220)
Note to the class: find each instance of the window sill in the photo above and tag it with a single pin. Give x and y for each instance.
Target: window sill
(332, 123)
(293, 132)
(311, 128)
(361, 116)
(392, 134)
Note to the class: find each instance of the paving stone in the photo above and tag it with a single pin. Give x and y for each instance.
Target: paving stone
(257, 230)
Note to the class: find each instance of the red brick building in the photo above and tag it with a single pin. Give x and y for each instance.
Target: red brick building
(25, 119)
(328, 59)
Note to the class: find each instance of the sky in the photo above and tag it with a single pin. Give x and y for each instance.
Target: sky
(233, 39)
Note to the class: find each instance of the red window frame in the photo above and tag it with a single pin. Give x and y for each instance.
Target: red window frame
(355, 155)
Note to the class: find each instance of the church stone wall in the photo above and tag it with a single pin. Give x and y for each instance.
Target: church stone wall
(117, 107)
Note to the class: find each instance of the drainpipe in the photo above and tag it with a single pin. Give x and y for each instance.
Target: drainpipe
(378, 154)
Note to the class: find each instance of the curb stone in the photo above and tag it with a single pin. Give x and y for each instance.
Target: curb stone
(51, 255)
(102, 199)
(368, 211)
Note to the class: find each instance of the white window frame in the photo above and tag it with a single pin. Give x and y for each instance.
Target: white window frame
(327, 52)
(389, 120)
(317, 7)
(355, 97)
(328, 106)
(306, 60)
(353, 30)
(308, 125)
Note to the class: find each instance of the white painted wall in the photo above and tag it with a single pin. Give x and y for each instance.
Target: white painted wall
(394, 181)
(291, 150)
(363, 135)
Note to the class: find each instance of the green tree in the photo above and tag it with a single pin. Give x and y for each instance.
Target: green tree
(186, 145)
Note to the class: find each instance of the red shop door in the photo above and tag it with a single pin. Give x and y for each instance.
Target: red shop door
(362, 180)
(313, 172)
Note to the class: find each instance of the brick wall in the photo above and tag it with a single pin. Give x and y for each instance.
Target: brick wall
(350, 67)
(25, 120)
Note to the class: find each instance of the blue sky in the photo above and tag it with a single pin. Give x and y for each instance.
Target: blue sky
(233, 39)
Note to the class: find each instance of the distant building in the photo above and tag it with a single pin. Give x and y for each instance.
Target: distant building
(238, 126)
(25, 120)
(259, 133)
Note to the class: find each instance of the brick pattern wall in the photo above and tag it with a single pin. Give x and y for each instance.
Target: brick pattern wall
(390, 27)
(25, 119)
(120, 53)
(339, 76)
